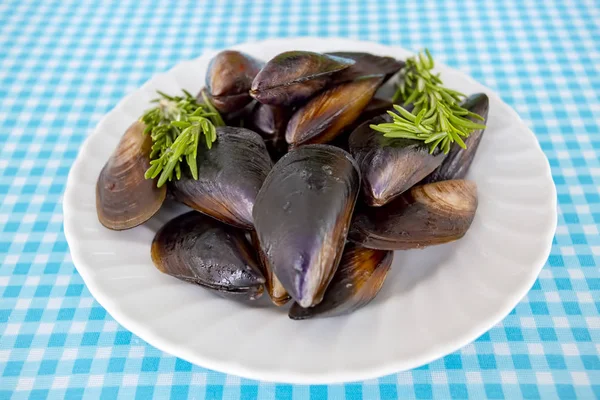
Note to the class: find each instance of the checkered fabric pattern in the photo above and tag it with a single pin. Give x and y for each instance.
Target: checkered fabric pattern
(65, 63)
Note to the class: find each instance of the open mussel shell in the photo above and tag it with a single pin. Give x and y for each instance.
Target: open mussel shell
(302, 215)
(457, 162)
(356, 282)
(328, 113)
(426, 215)
(270, 123)
(292, 77)
(230, 175)
(389, 166)
(124, 198)
(279, 296)
(366, 64)
(201, 250)
(229, 78)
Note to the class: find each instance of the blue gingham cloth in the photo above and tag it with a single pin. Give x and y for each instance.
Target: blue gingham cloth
(65, 63)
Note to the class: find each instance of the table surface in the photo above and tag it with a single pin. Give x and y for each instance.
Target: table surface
(64, 64)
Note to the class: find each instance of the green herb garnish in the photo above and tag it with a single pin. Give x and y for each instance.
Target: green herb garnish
(437, 117)
(175, 125)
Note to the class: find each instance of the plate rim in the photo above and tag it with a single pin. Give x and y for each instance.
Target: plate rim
(230, 366)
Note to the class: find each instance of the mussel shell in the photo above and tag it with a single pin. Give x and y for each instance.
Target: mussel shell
(202, 250)
(292, 77)
(375, 108)
(328, 113)
(426, 215)
(229, 78)
(270, 123)
(366, 64)
(302, 215)
(389, 166)
(279, 296)
(457, 162)
(356, 282)
(230, 175)
(124, 197)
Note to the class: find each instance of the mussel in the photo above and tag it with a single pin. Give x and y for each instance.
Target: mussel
(426, 215)
(124, 197)
(270, 123)
(375, 108)
(229, 78)
(389, 166)
(356, 282)
(366, 64)
(230, 175)
(328, 113)
(201, 250)
(457, 162)
(302, 214)
(279, 296)
(292, 77)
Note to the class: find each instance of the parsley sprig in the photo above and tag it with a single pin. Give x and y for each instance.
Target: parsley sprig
(175, 125)
(437, 118)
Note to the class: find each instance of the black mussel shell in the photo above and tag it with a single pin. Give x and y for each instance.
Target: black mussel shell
(356, 282)
(375, 108)
(230, 175)
(366, 64)
(270, 123)
(389, 166)
(292, 77)
(302, 215)
(124, 197)
(328, 113)
(457, 162)
(201, 250)
(426, 215)
(279, 296)
(229, 78)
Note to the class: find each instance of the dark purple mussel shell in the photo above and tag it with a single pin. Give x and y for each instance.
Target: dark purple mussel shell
(302, 215)
(229, 78)
(124, 197)
(457, 162)
(292, 77)
(328, 113)
(426, 215)
(230, 175)
(270, 123)
(366, 64)
(389, 166)
(279, 296)
(375, 108)
(201, 250)
(356, 282)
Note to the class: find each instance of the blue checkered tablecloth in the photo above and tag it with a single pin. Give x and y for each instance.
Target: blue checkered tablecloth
(65, 63)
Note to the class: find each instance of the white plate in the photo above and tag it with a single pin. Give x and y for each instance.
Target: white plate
(433, 302)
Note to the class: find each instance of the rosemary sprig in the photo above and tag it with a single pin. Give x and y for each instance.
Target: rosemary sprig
(437, 118)
(175, 125)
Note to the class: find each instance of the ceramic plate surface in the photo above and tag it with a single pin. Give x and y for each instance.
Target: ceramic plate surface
(433, 302)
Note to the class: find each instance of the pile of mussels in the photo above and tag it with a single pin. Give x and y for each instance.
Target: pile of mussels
(279, 209)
